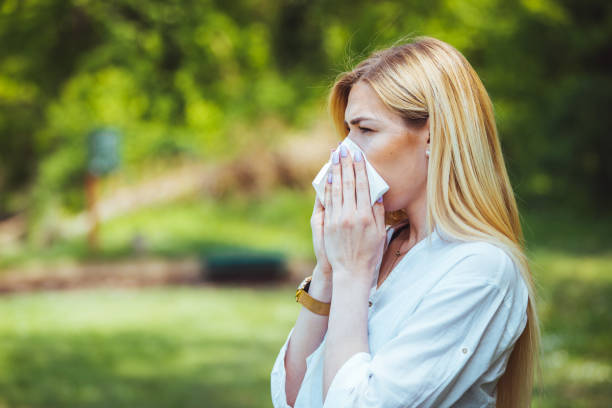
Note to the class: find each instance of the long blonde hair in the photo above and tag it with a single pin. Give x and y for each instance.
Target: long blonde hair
(468, 190)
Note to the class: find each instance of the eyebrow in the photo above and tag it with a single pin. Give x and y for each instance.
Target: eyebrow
(357, 120)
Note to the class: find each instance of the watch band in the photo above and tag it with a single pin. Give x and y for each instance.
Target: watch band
(315, 306)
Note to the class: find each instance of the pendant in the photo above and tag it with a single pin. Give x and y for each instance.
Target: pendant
(397, 253)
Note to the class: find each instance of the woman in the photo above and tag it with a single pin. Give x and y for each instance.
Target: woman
(431, 300)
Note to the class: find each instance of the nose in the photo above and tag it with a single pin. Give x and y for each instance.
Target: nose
(352, 140)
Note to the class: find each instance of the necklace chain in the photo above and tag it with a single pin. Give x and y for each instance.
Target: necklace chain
(397, 254)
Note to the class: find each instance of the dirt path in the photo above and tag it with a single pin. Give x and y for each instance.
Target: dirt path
(126, 273)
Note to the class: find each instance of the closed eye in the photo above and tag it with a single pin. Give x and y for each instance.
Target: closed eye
(364, 130)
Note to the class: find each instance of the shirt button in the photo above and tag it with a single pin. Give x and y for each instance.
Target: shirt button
(369, 303)
(464, 350)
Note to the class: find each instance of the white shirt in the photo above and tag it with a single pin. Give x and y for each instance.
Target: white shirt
(440, 330)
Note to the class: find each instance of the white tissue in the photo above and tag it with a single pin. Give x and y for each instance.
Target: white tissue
(377, 185)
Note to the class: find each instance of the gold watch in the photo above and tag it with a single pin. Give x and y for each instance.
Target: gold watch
(315, 306)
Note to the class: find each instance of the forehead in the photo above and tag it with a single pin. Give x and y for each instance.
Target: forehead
(364, 101)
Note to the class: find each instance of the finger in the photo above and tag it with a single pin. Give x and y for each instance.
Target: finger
(348, 180)
(318, 207)
(362, 186)
(379, 214)
(336, 185)
(328, 200)
(321, 201)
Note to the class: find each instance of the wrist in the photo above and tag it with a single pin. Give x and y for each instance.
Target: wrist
(324, 269)
(350, 281)
(320, 287)
(322, 275)
(351, 292)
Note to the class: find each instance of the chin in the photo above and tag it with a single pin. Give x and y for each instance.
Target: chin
(394, 204)
(390, 205)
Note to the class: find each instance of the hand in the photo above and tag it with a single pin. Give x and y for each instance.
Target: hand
(353, 230)
(316, 224)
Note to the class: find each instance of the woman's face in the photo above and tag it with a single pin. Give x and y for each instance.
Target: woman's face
(395, 148)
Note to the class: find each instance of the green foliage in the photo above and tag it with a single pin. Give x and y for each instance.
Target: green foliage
(276, 222)
(175, 76)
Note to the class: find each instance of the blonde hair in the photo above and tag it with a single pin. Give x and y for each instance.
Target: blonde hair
(468, 190)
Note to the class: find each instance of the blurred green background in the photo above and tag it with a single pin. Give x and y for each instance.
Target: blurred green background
(219, 108)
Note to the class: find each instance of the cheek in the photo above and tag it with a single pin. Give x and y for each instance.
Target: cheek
(402, 164)
(396, 159)
(406, 175)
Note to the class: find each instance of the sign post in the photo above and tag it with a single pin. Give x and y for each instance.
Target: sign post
(102, 158)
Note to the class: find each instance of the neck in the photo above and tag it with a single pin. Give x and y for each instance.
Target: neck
(416, 213)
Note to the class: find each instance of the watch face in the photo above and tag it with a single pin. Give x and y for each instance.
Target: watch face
(305, 282)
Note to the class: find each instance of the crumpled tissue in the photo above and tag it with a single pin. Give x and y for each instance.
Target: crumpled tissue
(378, 186)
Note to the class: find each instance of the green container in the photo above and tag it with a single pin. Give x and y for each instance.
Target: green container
(244, 266)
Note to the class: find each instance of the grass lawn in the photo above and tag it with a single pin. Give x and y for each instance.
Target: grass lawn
(159, 347)
(215, 347)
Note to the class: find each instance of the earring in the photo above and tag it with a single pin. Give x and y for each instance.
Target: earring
(427, 153)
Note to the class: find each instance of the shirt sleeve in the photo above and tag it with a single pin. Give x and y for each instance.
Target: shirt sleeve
(278, 377)
(461, 326)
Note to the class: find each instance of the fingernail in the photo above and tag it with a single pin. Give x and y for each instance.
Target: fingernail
(379, 200)
(329, 178)
(335, 157)
(358, 156)
(343, 151)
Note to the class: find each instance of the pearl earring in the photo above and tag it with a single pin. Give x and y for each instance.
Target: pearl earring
(427, 153)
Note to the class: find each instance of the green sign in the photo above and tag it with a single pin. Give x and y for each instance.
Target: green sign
(103, 151)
